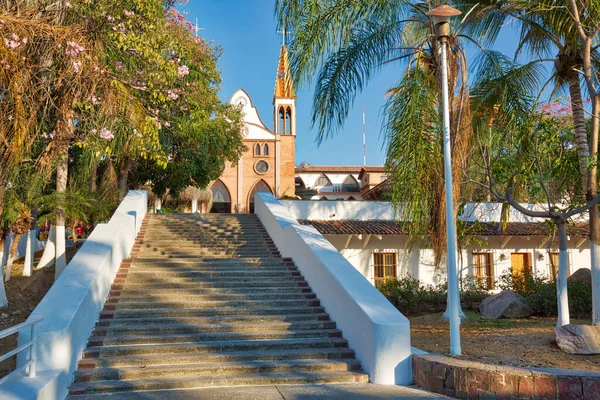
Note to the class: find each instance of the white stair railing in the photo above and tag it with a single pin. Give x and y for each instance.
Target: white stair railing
(30, 365)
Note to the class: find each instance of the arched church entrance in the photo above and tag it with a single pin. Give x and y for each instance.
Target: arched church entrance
(260, 187)
(221, 198)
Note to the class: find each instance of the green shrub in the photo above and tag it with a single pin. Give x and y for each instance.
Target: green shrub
(411, 296)
(540, 294)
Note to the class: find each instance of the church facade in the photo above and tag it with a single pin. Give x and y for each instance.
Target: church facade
(268, 163)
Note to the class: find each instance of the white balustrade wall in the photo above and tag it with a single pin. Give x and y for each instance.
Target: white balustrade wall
(71, 307)
(374, 328)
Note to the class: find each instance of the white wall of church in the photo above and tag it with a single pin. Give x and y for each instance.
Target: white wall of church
(419, 263)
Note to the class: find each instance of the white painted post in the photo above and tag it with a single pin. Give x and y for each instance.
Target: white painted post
(28, 264)
(61, 256)
(33, 350)
(49, 251)
(194, 206)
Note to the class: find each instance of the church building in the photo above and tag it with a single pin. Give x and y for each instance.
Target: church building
(268, 163)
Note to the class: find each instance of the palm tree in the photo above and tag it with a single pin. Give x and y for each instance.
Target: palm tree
(344, 43)
(557, 33)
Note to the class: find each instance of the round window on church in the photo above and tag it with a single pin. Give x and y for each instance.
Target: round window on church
(261, 167)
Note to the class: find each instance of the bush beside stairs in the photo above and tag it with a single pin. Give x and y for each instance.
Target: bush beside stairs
(208, 301)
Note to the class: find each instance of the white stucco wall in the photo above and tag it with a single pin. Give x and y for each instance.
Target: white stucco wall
(71, 307)
(375, 330)
(382, 210)
(419, 262)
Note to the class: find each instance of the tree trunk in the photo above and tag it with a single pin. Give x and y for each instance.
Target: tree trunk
(594, 215)
(123, 176)
(561, 280)
(581, 138)
(12, 254)
(157, 205)
(93, 180)
(194, 206)
(49, 253)
(3, 298)
(62, 170)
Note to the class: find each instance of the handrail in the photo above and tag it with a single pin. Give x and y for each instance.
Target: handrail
(17, 328)
(33, 324)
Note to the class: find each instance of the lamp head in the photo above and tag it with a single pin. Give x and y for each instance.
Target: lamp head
(440, 16)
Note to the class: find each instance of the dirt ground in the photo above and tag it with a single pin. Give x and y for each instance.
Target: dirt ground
(20, 305)
(522, 342)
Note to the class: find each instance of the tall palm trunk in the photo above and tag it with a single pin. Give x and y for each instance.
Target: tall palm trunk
(65, 130)
(93, 180)
(123, 176)
(594, 215)
(581, 139)
(3, 298)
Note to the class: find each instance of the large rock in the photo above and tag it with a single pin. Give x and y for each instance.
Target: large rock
(581, 275)
(578, 339)
(37, 283)
(506, 304)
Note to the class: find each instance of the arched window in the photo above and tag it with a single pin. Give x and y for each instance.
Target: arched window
(266, 150)
(281, 127)
(350, 184)
(300, 184)
(257, 150)
(288, 121)
(260, 187)
(323, 181)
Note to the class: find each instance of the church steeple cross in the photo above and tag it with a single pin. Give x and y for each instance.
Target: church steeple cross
(284, 32)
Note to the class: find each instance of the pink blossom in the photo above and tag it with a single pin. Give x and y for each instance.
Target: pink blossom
(110, 18)
(172, 94)
(128, 13)
(76, 66)
(106, 134)
(168, 124)
(95, 100)
(120, 65)
(183, 70)
(73, 49)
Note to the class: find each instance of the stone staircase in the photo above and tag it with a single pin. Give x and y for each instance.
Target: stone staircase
(209, 301)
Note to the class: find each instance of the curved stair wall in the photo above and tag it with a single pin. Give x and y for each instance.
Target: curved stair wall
(374, 328)
(71, 307)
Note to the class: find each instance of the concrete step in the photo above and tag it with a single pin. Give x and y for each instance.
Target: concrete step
(240, 356)
(177, 328)
(182, 256)
(206, 282)
(203, 283)
(212, 291)
(170, 296)
(211, 336)
(226, 346)
(281, 273)
(217, 380)
(211, 268)
(110, 312)
(210, 261)
(207, 320)
(215, 368)
(250, 304)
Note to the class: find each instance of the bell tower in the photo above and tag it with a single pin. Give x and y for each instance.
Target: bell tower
(284, 126)
(284, 98)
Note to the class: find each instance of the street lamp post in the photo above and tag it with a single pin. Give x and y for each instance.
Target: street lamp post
(440, 17)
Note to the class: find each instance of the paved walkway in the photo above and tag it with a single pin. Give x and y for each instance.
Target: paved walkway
(279, 392)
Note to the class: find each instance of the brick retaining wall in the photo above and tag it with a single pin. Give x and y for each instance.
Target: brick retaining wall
(473, 380)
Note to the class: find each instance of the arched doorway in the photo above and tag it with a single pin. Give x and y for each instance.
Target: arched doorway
(260, 187)
(221, 198)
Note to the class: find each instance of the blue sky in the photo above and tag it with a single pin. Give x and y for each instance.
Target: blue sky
(247, 32)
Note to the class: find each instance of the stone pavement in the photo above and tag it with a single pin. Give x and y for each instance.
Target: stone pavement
(279, 392)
